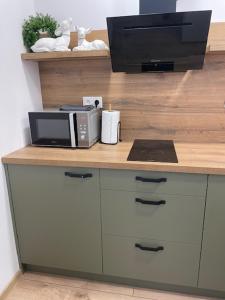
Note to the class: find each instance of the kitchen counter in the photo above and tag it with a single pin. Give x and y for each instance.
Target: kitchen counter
(122, 209)
(208, 158)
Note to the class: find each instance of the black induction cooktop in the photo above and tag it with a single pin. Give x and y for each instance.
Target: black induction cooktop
(153, 151)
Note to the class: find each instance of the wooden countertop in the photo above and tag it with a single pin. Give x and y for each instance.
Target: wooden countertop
(199, 158)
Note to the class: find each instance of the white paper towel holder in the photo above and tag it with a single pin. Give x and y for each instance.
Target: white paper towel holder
(104, 136)
(118, 136)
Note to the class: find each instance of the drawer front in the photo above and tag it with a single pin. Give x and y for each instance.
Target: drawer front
(176, 264)
(157, 216)
(165, 183)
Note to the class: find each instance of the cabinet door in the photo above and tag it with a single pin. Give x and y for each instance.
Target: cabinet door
(57, 217)
(212, 268)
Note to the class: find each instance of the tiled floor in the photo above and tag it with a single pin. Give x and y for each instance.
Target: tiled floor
(35, 286)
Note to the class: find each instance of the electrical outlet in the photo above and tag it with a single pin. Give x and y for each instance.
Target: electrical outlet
(91, 101)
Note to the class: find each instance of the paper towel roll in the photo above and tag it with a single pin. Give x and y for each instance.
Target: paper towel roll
(110, 126)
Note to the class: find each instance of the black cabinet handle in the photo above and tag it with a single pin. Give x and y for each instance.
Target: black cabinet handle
(151, 249)
(75, 175)
(152, 180)
(150, 202)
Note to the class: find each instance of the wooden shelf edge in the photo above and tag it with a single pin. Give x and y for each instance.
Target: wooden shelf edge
(54, 56)
(216, 49)
(48, 56)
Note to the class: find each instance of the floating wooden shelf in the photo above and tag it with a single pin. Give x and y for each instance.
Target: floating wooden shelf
(216, 40)
(54, 56)
(216, 49)
(48, 56)
(216, 45)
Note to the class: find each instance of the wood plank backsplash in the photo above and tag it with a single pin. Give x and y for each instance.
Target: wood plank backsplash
(181, 106)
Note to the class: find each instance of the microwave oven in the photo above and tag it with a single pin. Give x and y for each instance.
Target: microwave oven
(79, 128)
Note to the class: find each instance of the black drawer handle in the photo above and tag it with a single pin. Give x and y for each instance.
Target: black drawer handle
(151, 249)
(75, 175)
(152, 180)
(150, 202)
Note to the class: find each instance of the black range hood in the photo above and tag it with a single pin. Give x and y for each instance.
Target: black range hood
(159, 42)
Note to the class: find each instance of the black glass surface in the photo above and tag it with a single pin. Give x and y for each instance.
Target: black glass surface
(159, 6)
(50, 129)
(53, 129)
(153, 151)
(159, 42)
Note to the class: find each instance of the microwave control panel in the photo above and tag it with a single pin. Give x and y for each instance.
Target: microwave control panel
(82, 130)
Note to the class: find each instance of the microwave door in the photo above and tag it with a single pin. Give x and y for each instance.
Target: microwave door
(51, 129)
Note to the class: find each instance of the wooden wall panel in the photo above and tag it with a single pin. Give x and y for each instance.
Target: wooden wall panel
(182, 106)
(94, 35)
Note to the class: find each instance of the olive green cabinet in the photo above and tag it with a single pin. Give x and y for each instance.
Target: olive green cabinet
(212, 268)
(152, 225)
(129, 224)
(57, 216)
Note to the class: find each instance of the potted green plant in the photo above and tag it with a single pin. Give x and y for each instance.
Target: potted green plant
(36, 27)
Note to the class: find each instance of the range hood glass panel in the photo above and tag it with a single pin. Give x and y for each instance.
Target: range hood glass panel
(178, 38)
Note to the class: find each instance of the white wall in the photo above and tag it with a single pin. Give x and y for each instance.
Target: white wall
(217, 6)
(87, 12)
(94, 12)
(19, 92)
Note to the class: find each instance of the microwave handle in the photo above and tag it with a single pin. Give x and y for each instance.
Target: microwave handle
(72, 130)
(119, 129)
